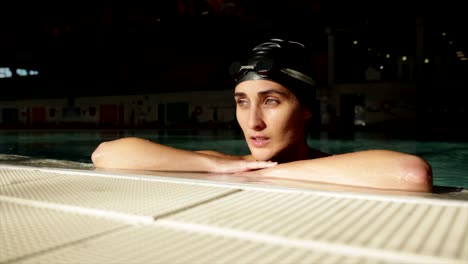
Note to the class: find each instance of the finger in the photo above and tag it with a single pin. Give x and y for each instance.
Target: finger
(260, 164)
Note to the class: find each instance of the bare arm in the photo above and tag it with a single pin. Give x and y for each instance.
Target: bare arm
(219, 154)
(380, 169)
(141, 154)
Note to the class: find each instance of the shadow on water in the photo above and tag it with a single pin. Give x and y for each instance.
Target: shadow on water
(447, 189)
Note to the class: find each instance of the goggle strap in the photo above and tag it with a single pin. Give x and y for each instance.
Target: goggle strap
(298, 75)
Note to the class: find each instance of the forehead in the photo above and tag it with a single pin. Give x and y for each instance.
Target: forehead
(252, 87)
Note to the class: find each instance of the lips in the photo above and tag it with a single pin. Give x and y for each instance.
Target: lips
(259, 141)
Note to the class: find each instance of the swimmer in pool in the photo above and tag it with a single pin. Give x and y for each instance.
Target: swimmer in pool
(272, 92)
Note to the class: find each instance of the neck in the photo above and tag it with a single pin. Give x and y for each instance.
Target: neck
(300, 151)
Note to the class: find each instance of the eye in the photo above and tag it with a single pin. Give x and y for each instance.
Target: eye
(271, 101)
(242, 102)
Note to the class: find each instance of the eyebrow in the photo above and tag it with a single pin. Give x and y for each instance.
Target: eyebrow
(263, 93)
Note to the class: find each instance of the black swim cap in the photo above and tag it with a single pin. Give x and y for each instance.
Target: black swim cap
(282, 61)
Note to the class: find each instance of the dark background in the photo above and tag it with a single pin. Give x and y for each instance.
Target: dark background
(87, 48)
(107, 47)
(115, 47)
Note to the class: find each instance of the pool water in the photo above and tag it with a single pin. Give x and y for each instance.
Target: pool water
(449, 159)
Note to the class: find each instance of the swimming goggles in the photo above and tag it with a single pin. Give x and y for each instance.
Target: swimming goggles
(265, 67)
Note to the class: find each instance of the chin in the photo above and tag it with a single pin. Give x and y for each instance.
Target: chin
(260, 155)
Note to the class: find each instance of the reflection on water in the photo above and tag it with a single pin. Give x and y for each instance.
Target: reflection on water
(41, 162)
(449, 160)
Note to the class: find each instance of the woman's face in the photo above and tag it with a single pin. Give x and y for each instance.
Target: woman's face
(271, 118)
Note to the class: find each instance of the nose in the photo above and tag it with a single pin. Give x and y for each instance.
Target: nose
(256, 121)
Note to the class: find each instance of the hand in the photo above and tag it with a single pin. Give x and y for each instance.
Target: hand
(235, 166)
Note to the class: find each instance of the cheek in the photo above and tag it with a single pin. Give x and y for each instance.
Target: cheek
(240, 116)
(281, 119)
(288, 124)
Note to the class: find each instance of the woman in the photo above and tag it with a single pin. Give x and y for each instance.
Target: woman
(272, 94)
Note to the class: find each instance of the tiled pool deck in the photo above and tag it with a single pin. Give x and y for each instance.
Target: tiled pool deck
(63, 215)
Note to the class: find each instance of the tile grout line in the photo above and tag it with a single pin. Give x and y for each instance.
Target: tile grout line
(122, 217)
(334, 248)
(64, 245)
(155, 178)
(126, 218)
(185, 208)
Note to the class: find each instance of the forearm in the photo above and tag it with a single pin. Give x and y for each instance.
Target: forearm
(137, 153)
(140, 154)
(374, 169)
